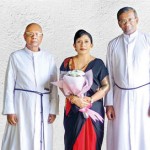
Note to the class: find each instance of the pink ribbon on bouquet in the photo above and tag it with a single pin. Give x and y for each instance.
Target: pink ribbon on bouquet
(94, 115)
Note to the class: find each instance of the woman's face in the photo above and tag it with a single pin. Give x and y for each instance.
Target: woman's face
(83, 45)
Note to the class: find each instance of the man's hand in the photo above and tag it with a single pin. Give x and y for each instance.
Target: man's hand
(51, 118)
(110, 112)
(12, 119)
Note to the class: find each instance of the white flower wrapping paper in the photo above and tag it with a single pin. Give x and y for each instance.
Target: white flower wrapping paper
(76, 85)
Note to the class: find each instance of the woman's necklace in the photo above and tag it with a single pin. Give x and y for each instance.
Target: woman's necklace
(80, 65)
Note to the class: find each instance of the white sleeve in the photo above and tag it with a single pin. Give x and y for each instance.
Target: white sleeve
(10, 78)
(109, 96)
(54, 97)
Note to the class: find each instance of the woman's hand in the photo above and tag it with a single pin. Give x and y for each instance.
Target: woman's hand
(88, 99)
(80, 102)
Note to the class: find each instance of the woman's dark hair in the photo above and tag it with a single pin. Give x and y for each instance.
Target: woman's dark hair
(80, 33)
(126, 9)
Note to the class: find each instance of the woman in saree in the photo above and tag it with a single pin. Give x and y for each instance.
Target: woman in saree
(83, 133)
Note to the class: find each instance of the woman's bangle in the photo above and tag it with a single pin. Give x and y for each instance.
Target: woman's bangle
(91, 100)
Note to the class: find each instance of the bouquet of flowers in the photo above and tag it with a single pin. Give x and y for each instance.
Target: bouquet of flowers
(77, 82)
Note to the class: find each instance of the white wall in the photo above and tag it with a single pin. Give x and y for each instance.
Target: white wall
(60, 20)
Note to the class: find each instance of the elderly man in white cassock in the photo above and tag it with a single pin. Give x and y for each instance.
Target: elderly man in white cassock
(30, 101)
(128, 101)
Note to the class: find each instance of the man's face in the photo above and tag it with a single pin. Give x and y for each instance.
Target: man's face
(128, 22)
(33, 37)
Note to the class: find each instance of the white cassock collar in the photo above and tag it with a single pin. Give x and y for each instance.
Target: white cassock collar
(131, 37)
(32, 53)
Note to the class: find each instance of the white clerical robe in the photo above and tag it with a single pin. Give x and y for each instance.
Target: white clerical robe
(128, 62)
(30, 71)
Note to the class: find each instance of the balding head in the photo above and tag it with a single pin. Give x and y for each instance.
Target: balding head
(34, 26)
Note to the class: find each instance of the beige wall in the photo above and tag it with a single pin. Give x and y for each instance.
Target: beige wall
(60, 19)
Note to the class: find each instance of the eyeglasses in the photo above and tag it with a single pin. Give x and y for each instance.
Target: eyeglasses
(124, 21)
(32, 34)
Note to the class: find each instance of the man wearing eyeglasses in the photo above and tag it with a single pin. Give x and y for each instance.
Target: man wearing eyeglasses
(128, 101)
(30, 101)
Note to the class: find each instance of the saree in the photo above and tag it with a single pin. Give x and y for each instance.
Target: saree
(84, 133)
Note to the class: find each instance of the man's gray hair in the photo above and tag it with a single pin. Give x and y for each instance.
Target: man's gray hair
(126, 9)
